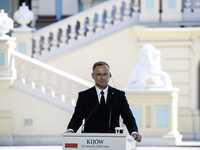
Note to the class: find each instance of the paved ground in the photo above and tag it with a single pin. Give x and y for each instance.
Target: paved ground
(189, 145)
(60, 148)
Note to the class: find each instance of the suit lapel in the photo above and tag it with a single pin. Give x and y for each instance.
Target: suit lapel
(110, 97)
(94, 97)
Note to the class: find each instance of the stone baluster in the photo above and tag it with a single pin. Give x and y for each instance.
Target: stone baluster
(135, 14)
(118, 16)
(196, 5)
(57, 84)
(127, 9)
(18, 65)
(54, 41)
(46, 82)
(109, 17)
(37, 47)
(196, 10)
(187, 11)
(45, 44)
(23, 73)
(72, 34)
(38, 77)
(64, 88)
(63, 38)
(99, 24)
(53, 85)
(34, 74)
(187, 4)
(91, 25)
(28, 76)
(81, 30)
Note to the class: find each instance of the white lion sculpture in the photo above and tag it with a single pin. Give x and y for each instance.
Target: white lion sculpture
(148, 69)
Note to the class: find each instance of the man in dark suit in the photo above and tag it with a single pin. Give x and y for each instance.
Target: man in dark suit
(101, 106)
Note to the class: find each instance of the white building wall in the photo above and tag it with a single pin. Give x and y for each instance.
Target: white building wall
(46, 7)
(48, 121)
(121, 50)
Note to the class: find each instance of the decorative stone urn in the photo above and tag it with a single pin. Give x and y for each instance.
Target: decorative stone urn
(6, 24)
(23, 16)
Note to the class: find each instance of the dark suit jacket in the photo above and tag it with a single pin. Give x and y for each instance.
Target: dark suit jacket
(96, 121)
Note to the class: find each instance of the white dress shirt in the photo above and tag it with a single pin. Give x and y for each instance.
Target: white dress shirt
(99, 93)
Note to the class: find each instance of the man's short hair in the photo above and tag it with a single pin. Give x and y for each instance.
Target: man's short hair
(100, 63)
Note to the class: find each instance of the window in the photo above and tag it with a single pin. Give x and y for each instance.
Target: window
(149, 4)
(2, 59)
(171, 3)
(28, 122)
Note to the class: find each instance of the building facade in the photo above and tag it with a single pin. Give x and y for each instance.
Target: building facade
(37, 100)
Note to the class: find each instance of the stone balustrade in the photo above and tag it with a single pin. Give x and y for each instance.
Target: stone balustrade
(46, 79)
(108, 14)
(84, 24)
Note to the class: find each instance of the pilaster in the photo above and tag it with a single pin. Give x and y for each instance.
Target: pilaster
(6, 75)
(156, 114)
(24, 40)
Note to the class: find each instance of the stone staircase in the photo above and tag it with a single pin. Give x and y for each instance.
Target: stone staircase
(46, 83)
(83, 28)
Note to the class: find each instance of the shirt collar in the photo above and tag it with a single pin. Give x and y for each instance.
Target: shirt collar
(99, 91)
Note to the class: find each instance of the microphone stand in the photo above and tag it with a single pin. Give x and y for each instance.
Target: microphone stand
(86, 120)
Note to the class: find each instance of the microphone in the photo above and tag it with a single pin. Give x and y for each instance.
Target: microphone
(86, 120)
(110, 118)
(112, 81)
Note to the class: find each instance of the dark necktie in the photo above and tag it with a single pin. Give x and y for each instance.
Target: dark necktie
(102, 101)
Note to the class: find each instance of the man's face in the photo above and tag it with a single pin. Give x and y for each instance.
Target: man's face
(101, 76)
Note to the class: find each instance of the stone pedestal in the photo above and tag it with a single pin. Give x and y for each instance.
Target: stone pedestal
(6, 74)
(156, 114)
(171, 11)
(149, 12)
(24, 40)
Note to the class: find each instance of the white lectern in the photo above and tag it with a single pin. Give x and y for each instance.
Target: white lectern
(100, 141)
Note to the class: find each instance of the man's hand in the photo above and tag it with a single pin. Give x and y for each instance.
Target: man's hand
(69, 131)
(137, 137)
